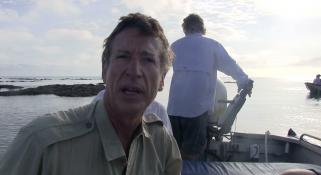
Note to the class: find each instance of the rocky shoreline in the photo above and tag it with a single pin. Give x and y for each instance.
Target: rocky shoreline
(10, 87)
(75, 90)
(26, 79)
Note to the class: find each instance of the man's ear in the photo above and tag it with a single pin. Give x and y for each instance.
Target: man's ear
(161, 84)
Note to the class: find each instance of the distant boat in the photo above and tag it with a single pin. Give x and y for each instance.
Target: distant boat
(315, 89)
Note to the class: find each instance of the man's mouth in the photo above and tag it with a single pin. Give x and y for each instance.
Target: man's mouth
(131, 90)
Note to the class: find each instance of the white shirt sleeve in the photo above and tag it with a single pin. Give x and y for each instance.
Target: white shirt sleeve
(160, 111)
(228, 65)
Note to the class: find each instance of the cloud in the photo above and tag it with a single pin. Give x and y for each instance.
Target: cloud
(39, 11)
(45, 35)
(59, 47)
(12, 36)
(234, 12)
(312, 62)
(47, 50)
(48, 70)
(115, 10)
(290, 9)
(162, 6)
(8, 15)
(60, 7)
(15, 44)
(72, 40)
(223, 19)
(69, 34)
(86, 2)
(72, 46)
(224, 32)
(239, 11)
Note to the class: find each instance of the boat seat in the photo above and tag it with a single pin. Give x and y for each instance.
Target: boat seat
(241, 168)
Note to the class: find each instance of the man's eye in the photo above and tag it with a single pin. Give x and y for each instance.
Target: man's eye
(121, 56)
(149, 60)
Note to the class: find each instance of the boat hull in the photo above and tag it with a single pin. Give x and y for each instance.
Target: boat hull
(247, 154)
(314, 89)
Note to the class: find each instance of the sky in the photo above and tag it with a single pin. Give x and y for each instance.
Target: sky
(268, 38)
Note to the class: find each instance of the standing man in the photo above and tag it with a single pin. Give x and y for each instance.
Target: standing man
(109, 136)
(197, 60)
(317, 80)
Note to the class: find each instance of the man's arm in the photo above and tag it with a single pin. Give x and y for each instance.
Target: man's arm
(228, 65)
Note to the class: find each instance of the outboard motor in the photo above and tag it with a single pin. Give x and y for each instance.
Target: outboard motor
(220, 105)
(221, 121)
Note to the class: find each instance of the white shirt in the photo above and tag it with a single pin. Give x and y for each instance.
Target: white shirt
(317, 81)
(155, 108)
(197, 60)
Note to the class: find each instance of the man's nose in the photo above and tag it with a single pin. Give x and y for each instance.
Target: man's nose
(134, 69)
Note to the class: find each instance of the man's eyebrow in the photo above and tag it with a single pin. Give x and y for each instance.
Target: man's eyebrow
(144, 52)
(122, 51)
(147, 53)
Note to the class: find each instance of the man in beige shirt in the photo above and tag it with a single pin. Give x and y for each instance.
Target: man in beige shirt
(109, 136)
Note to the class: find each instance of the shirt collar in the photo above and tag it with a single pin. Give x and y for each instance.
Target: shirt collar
(194, 34)
(111, 144)
(148, 120)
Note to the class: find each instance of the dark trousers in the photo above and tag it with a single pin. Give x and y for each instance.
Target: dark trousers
(190, 134)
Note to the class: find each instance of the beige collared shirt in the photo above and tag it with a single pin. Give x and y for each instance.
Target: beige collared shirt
(82, 141)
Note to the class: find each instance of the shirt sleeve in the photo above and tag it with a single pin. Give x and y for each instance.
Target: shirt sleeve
(160, 111)
(228, 65)
(99, 96)
(23, 157)
(174, 160)
(163, 114)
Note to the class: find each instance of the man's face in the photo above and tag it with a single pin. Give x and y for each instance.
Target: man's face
(133, 75)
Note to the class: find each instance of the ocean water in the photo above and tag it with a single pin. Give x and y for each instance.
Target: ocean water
(276, 105)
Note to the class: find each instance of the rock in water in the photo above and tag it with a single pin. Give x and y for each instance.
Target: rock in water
(76, 90)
